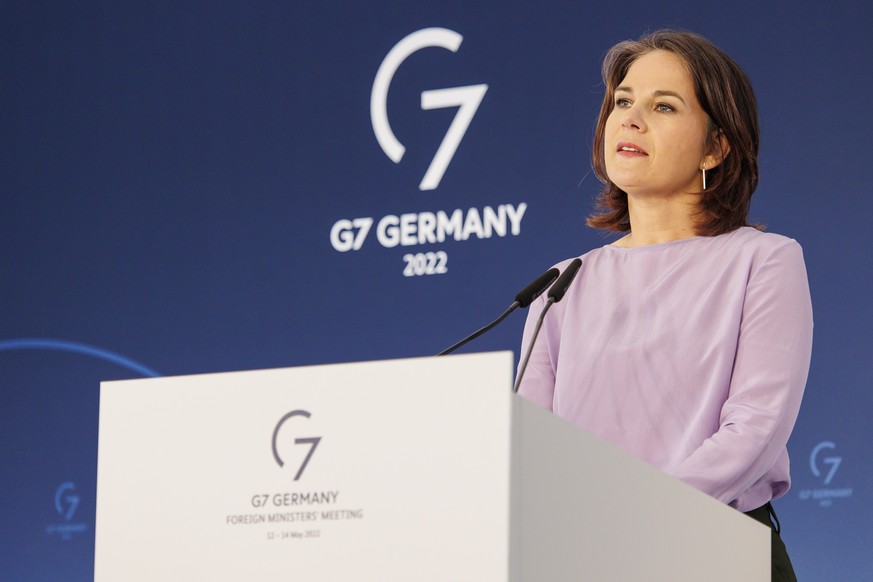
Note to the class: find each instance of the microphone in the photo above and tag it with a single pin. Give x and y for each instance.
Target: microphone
(563, 283)
(556, 293)
(522, 299)
(526, 296)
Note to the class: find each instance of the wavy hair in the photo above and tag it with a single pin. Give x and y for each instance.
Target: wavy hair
(727, 97)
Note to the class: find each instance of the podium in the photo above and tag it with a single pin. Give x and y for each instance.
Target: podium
(425, 469)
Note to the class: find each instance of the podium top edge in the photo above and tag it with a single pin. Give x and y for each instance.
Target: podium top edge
(497, 355)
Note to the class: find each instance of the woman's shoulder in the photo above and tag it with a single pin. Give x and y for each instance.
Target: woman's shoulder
(749, 240)
(749, 235)
(753, 249)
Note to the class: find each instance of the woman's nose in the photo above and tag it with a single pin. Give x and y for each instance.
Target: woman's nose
(632, 119)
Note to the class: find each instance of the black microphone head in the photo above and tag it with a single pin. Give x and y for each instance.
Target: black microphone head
(556, 293)
(526, 296)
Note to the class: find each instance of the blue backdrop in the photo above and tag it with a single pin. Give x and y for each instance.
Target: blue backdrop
(198, 187)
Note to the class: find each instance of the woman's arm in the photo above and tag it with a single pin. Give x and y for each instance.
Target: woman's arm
(767, 383)
(538, 384)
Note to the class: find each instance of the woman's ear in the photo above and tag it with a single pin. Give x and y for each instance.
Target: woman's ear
(718, 151)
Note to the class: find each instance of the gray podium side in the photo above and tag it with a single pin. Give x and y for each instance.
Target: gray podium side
(423, 469)
(583, 510)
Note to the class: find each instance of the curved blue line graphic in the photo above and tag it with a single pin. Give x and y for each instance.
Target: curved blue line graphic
(77, 348)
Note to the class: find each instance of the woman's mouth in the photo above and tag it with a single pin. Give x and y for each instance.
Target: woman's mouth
(631, 149)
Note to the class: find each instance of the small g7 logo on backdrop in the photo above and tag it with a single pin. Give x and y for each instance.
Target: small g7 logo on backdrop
(66, 503)
(467, 99)
(311, 441)
(66, 500)
(831, 461)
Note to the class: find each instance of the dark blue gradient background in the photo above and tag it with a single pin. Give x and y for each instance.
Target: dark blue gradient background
(171, 171)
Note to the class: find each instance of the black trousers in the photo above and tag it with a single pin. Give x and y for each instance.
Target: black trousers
(781, 569)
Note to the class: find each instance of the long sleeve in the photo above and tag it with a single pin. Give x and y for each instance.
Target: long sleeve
(766, 387)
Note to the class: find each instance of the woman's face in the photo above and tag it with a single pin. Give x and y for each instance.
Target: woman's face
(656, 136)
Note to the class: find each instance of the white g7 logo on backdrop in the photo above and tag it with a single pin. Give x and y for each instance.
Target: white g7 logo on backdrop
(834, 462)
(466, 99)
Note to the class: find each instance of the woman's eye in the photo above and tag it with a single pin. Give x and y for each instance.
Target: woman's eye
(664, 108)
(622, 102)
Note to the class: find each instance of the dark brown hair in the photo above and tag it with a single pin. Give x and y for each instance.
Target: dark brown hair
(726, 95)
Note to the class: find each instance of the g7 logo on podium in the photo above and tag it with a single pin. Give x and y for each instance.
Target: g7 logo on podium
(311, 441)
(466, 99)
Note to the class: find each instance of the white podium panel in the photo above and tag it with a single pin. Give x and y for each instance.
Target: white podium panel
(409, 480)
(424, 470)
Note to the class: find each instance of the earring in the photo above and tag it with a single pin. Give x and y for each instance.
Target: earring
(703, 169)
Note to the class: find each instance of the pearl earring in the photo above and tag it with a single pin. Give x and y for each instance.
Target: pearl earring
(703, 169)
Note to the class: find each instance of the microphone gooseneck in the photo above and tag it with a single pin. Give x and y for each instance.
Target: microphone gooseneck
(522, 299)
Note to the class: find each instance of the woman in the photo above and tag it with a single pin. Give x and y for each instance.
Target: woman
(686, 342)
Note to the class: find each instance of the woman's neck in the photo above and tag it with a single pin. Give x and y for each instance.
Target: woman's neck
(657, 220)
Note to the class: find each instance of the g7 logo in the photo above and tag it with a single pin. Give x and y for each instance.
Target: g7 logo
(466, 99)
(834, 462)
(66, 500)
(311, 441)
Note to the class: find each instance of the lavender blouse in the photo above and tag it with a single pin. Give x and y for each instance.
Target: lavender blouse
(692, 355)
